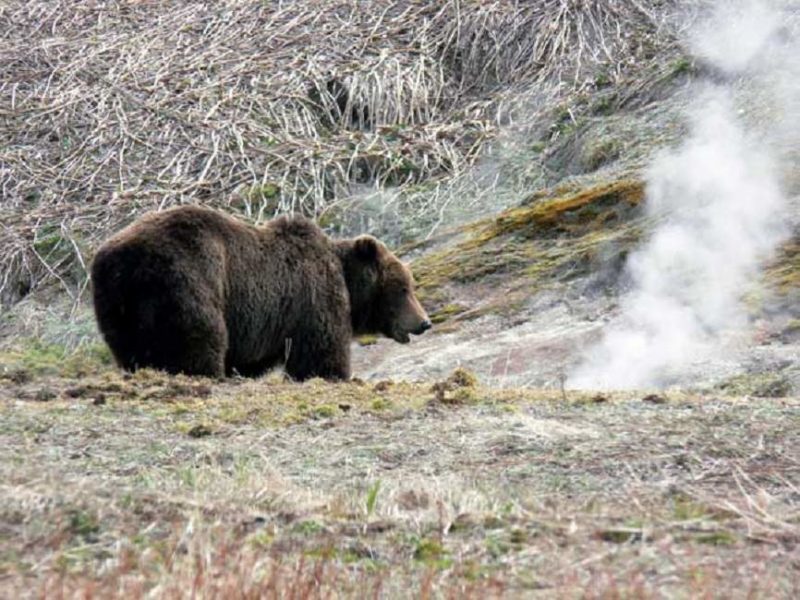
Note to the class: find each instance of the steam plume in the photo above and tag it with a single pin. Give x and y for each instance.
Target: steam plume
(719, 205)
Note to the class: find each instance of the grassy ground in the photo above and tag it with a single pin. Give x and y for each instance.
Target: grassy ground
(125, 486)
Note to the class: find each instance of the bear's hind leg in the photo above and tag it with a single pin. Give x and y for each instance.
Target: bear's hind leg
(198, 348)
(180, 337)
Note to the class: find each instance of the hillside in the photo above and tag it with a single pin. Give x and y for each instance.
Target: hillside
(393, 118)
(513, 153)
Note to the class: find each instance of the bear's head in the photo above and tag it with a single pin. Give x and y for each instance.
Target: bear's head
(381, 291)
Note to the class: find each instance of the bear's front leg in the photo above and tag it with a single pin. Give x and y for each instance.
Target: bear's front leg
(319, 352)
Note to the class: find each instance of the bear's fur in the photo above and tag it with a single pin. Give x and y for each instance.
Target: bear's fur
(195, 291)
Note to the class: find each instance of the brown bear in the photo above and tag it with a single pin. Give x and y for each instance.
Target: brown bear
(195, 291)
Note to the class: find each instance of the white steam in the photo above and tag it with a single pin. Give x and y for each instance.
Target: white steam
(736, 34)
(720, 207)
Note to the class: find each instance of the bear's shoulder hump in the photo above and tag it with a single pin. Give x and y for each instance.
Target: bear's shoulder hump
(296, 226)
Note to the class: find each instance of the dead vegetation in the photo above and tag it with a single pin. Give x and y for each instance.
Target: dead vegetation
(555, 236)
(170, 487)
(258, 107)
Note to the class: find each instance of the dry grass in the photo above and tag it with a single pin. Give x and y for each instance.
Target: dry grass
(112, 109)
(170, 487)
(556, 235)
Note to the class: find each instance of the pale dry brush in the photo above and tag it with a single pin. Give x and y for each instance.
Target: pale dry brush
(111, 109)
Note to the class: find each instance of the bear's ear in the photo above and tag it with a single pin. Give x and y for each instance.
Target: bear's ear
(366, 247)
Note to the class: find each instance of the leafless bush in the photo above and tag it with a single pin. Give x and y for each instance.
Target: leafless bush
(111, 109)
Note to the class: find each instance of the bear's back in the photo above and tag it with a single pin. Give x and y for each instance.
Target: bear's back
(178, 226)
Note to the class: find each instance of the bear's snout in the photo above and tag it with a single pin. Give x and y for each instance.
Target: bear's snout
(413, 320)
(416, 321)
(423, 327)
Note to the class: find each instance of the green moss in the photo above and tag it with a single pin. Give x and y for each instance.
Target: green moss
(233, 415)
(462, 396)
(180, 408)
(83, 524)
(681, 66)
(372, 496)
(262, 540)
(326, 552)
(193, 407)
(429, 550)
(605, 105)
(564, 122)
(602, 80)
(37, 357)
(332, 219)
(576, 213)
(762, 385)
(446, 312)
(459, 388)
(462, 378)
(538, 147)
(496, 547)
(686, 508)
(48, 242)
(518, 536)
(267, 195)
(64, 251)
(367, 340)
(783, 275)
(308, 528)
(269, 190)
(552, 236)
(324, 411)
(599, 152)
(380, 404)
(717, 538)
(619, 536)
(792, 327)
